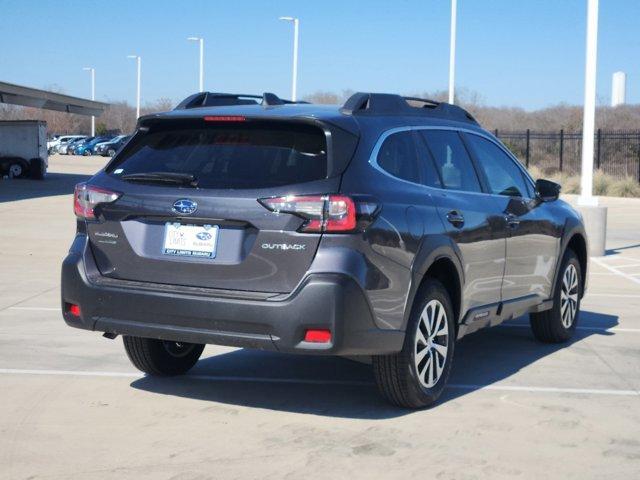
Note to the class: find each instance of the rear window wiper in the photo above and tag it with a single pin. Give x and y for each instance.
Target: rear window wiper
(184, 179)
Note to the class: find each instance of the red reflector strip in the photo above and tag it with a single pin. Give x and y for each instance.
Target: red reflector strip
(318, 336)
(224, 118)
(73, 309)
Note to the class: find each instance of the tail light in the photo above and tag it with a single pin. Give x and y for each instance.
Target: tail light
(87, 197)
(323, 213)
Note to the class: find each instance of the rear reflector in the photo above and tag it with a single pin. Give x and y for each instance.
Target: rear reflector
(323, 213)
(73, 309)
(224, 118)
(317, 336)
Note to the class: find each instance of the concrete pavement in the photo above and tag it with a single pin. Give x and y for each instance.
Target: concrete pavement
(72, 407)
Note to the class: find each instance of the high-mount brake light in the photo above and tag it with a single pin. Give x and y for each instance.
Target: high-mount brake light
(224, 118)
(323, 213)
(87, 197)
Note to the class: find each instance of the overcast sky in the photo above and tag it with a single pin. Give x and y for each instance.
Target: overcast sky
(527, 53)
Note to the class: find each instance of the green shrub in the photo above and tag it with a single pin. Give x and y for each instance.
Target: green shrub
(601, 182)
(571, 184)
(535, 172)
(626, 187)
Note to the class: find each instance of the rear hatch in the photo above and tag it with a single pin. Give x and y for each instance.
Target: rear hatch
(189, 214)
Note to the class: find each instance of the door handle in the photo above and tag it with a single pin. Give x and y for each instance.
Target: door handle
(455, 218)
(512, 220)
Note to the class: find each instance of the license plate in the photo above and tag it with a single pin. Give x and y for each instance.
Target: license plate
(190, 240)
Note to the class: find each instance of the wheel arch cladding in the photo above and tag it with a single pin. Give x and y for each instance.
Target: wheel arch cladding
(444, 269)
(578, 245)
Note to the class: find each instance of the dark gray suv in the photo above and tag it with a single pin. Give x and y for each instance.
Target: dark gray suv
(386, 228)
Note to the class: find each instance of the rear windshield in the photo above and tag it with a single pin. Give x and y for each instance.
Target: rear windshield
(248, 155)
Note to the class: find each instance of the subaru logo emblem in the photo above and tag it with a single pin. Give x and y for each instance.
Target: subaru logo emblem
(204, 236)
(185, 206)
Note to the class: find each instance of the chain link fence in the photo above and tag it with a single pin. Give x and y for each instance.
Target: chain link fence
(616, 152)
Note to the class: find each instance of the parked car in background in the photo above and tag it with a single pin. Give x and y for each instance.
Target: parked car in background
(51, 141)
(71, 149)
(387, 228)
(87, 148)
(54, 146)
(110, 148)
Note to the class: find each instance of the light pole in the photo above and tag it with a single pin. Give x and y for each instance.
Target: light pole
(93, 96)
(201, 41)
(588, 122)
(595, 217)
(138, 61)
(294, 79)
(452, 51)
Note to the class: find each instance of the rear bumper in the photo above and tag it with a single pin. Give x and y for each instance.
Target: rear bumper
(325, 301)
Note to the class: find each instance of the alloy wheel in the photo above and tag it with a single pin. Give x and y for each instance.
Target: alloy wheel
(431, 343)
(569, 296)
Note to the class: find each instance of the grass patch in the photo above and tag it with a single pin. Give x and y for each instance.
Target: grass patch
(603, 184)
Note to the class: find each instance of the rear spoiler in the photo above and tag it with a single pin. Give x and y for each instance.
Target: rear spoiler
(217, 99)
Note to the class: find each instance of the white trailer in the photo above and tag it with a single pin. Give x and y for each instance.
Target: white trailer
(23, 149)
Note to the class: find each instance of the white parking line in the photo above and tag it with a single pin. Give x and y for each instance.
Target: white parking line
(43, 309)
(589, 329)
(616, 271)
(582, 391)
(614, 295)
(596, 329)
(303, 381)
(617, 258)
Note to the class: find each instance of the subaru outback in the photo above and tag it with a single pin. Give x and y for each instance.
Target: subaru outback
(386, 228)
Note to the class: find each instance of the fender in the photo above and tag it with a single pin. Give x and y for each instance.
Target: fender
(432, 249)
(572, 226)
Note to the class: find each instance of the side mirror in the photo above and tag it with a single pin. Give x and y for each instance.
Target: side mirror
(547, 191)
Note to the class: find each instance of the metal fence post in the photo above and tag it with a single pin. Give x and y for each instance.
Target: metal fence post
(598, 149)
(495, 133)
(638, 158)
(561, 146)
(527, 151)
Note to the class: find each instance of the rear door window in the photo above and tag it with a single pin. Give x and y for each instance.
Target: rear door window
(247, 155)
(430, 176)
(397, 156)
(452, 160)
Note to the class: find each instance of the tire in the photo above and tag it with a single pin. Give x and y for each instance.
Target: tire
(401, 380)
(86, 153)
(111, 152)
(16, 170)
(160, 357)
(558, 324)
(37, 170)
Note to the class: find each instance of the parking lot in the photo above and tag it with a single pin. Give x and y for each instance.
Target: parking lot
(72, 406)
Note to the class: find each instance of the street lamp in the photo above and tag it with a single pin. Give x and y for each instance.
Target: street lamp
(201, 41)
(452, 51)
(93, 96)
(138, 61)
(294, 79)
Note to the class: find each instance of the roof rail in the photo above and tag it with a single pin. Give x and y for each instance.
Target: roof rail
(362, 103)
(217, 99)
